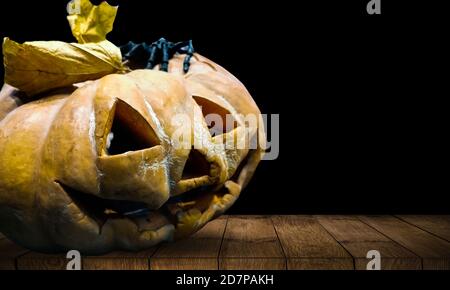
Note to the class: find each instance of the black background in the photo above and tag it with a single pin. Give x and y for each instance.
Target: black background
(361, 97)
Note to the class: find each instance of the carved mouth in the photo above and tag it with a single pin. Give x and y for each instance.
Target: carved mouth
(101, 209)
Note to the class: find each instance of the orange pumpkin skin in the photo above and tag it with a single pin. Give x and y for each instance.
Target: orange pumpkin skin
(62, 187)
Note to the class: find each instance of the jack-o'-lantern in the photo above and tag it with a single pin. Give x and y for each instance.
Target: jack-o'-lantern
(124, 161)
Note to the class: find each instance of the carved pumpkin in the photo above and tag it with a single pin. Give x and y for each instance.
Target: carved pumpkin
(95, 167)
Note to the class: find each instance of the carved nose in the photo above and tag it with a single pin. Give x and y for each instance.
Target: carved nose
(198, 171)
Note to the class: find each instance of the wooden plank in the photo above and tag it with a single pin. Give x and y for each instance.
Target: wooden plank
(250, 242)
(308, 245)
(280, 242)
(113, 261)
(198, 252)
(358, 238)
(435, 252)
(438, 225)
(8, 254)
(39, 261)
(119, 260)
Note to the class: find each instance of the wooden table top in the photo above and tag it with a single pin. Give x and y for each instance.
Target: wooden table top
(276, 243)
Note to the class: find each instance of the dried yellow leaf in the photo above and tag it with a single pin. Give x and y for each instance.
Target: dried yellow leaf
(92, 23)
(37, 66)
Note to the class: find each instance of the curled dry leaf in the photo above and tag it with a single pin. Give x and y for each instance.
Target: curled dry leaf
(37, 66)
(92, 23)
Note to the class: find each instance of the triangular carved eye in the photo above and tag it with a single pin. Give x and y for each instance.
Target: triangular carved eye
(196, 165)
(129, 131)
(208, 109)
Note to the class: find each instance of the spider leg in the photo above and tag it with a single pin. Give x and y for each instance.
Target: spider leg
(165, 55)
(187, 59)
(124, 49)
(151, 61)
(138, 55)
(136, 50)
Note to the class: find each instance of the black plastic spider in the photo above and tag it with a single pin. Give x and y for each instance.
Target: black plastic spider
(142, 55)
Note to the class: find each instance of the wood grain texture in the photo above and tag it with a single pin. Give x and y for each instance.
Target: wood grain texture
(119, 261)
(435, 252)
(198, 252)
(358, 238)
(436, 264)
(39, 261)
(112, 261)
(308, 245)
(8, 254)
(275, 242)
(250, 242)
(438, 225)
